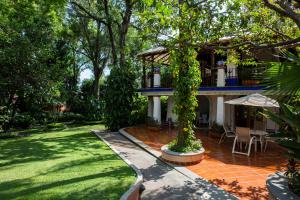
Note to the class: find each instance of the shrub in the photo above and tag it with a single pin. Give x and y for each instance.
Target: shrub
(139, 111)
(90, 107)
(67, 117)
(119, 96)
(22, 120)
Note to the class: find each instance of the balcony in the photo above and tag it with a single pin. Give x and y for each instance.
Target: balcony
(234, 77)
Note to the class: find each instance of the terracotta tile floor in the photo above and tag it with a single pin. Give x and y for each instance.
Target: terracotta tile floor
(243, 176)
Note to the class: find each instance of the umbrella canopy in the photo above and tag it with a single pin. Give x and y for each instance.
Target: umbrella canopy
(256, 99)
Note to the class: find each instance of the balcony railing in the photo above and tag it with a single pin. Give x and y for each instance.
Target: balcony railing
(241, 76)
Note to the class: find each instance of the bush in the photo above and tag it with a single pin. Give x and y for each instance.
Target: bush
(294, 182)
(89, 107)
(119, 96)
(139, 113)
(4, 122)
(67, 117)
(22, 120)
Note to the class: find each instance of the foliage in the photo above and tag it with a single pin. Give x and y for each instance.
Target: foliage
(187, 81)
(22, 120)
(192, 147)
(283, 77)
(31, 58)
(289, 138)
(53, 162)
(66, 117)
(139, 111)
(119, 97)
(290, 118)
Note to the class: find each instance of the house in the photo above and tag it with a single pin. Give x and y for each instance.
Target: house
(221, 81)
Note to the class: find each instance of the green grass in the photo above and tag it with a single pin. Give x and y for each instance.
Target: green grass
(65, 164)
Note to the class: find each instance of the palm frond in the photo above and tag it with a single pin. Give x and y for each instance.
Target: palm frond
(283, 77)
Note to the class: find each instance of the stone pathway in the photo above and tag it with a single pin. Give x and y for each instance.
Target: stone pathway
(162, 181)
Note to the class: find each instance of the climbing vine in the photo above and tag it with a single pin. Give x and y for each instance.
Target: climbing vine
(186, 25)
(187, 81)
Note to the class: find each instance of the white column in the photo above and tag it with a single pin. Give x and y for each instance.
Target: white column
(156, 77)
(221, 77)
(156, 109)
(150, 107)
(170, 112)
(220, 110)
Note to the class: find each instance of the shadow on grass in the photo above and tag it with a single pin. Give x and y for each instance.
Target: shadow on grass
(30, 188)
(76, 161)
(37, 149)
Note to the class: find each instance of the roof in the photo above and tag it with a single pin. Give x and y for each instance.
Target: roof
(161, 54)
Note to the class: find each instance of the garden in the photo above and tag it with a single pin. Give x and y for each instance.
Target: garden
(48, 106)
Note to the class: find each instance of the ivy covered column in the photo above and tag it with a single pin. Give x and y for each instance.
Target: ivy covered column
(187, 81)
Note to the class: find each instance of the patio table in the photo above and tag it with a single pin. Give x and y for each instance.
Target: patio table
(261, 134)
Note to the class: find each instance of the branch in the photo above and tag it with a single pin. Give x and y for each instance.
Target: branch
(262, 46)
(278, 32)
(89, 14)
(284, 11)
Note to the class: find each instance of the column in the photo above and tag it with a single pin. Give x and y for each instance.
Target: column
(156, 109)
(221, 74)
(150, 107)
(156, 77)
(220, 111)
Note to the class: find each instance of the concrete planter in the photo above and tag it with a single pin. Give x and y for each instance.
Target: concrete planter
(182, 158)
(277, 185)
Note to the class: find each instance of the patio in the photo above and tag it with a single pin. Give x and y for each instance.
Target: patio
(240, 175)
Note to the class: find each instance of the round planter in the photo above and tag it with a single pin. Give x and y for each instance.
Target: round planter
(189, 158)
(277, 185)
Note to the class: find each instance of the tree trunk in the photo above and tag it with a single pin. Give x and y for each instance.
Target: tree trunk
(97, 74)
(124, 29)
(110, 31)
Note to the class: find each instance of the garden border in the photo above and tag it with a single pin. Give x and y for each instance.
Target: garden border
(133, 192)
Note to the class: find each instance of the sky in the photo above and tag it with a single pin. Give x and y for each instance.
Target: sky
(88, 74)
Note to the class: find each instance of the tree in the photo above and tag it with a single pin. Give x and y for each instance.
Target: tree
(115, 16)
(31, 69)
(262, 24)
(93, 43)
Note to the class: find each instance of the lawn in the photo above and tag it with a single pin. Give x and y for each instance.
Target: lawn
(62, 164)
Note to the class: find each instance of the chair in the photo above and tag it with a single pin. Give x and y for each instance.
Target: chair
(227, 133)
(243, 136)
